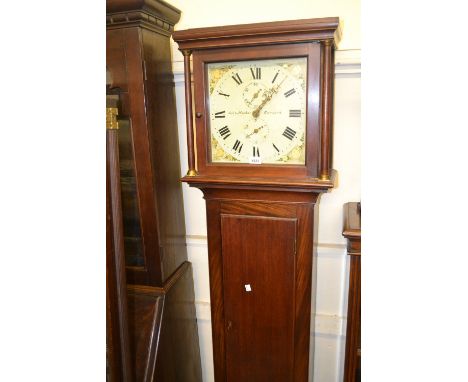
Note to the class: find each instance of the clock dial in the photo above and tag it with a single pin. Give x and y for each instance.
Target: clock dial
(258, 111)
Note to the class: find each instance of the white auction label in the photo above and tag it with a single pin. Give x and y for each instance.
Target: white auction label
(247, 287)
(255, 160)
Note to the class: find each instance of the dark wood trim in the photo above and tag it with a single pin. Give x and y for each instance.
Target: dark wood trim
(276, 32)
(114, 357)
(204, 164)
(116, 262)
(155, 15)
(353, 330)
(113, 365)
(352, 231)
(158, 291)
(189, 113)
(277, 183)
(327, 106)
(216, 289)
(155, 7)
(302, 294)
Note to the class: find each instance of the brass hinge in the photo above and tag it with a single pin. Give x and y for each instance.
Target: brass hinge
(111, 118)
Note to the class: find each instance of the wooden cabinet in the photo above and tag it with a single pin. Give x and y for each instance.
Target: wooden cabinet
(162, 329)
(352, 232)
(140, 67)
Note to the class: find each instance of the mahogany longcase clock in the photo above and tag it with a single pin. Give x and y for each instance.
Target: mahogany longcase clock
(260, 151)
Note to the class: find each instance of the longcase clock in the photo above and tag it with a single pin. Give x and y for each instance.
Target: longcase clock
(146, 199)
(259, 134)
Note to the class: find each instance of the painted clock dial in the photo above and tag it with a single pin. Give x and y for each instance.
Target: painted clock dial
(258, 111)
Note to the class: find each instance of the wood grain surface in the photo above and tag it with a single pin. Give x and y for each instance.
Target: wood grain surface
(163, 331)
(265, 237)
(352, 231)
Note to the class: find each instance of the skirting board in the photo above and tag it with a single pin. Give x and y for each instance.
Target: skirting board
(325, 324)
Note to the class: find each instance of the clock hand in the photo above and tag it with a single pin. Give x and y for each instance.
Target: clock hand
(269, 95)
(255, 95)
(255, 131)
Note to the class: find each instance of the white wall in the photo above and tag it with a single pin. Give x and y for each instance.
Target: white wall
(332, 263)
(206, 13)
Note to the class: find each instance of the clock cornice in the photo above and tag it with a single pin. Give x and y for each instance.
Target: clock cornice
(155, 15)
(276, 32)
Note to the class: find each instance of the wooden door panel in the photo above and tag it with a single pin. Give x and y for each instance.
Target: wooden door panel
(259, 253)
